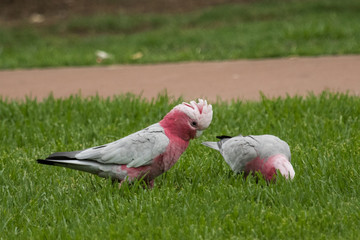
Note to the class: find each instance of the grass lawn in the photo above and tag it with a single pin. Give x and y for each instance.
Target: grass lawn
(199, 198)
(262, 29)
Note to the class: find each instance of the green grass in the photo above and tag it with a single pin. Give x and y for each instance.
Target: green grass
(262, 29)
(199, 198)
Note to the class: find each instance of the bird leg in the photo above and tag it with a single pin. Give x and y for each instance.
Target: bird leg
(151, 183)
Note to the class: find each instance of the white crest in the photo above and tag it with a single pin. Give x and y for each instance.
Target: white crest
(201, 112)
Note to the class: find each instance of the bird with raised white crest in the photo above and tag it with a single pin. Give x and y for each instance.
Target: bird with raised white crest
(144, 154)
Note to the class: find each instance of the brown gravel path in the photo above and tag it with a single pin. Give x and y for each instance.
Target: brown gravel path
(242, 79)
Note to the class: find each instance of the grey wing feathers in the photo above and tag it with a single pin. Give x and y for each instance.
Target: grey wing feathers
(237, 152)
(268, 145)
(135, 150)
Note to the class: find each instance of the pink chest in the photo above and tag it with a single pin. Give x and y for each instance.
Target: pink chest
(160, 164)
(173, 152)
(266, 168)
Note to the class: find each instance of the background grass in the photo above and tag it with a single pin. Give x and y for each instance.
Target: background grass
(199, 198)
(259, 29)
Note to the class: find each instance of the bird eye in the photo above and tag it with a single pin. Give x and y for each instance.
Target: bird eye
(193, 123)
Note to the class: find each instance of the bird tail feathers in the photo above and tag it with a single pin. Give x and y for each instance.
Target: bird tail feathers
(86, 166)
(63, 155)
(213, 145)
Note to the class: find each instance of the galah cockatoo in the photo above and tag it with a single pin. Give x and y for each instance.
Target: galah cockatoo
(250, 154)
(144, 154)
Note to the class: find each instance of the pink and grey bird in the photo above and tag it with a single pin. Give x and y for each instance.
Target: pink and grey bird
(144, 154)
(255, 153)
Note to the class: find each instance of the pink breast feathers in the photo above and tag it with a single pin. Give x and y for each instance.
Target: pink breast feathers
(268, 167)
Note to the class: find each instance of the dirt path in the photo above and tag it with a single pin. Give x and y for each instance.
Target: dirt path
(242, 79)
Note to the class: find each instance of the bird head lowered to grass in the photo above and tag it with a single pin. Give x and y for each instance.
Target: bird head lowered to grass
(144, 154)
(255, 153)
